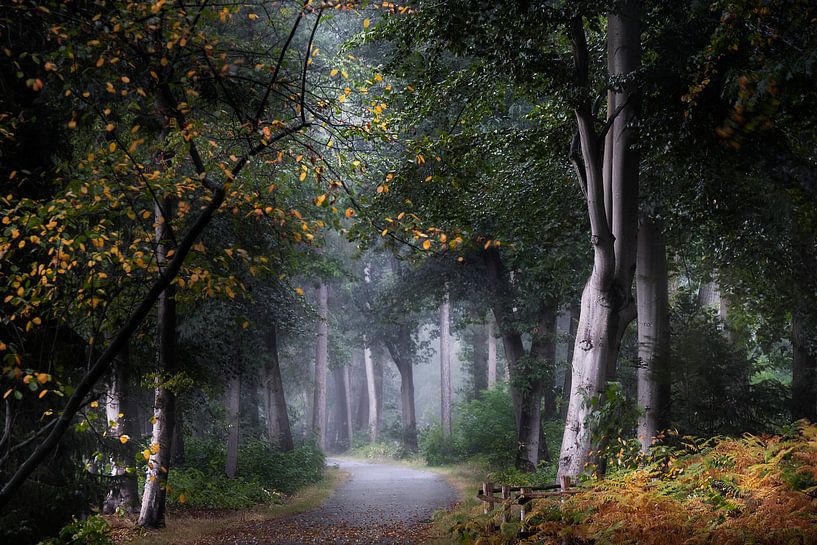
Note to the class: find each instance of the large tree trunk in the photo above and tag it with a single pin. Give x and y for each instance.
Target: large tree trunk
(371, 389)
(445, 368)
(121, 412)
(653, 332)
(491, 335)
(609, 179)
(279, 432)
(152, 514)
(321, 365)
(232, 404)
(804, 367)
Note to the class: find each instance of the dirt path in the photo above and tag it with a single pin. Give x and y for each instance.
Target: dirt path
(380, 504)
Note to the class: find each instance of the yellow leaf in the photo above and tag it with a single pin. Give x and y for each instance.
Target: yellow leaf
(42, 393)
(8, 393)
(42, 378)
(94, 404)
(299, 291)
(154, 448)
(182, 498)
(334, 72)
(426, 244)
(302, 177)
(124, 439)
(487, 245)
(252, 16)
(384, 232)
(349, 212)
(245, 325)
(146, 454)
(319, 200)
(366, 23)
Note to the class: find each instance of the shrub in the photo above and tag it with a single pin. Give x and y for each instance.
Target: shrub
(380, 451)
(486, 427)
(92, 531)
(264, 474)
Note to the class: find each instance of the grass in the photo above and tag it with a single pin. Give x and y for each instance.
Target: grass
(185, 526)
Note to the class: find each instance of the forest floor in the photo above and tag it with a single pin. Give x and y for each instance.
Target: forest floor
(359, 503)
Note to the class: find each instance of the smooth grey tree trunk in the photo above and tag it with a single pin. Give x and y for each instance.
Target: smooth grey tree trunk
(399, 350)
(321, 366)
(347, 391)
(653, 332)
(445, 368)
(152, 514)
(804, 367)
(609, 179)
(575, 309)
(120, 410)
(371, 389)
(279, 432)
(489, 332)
(342, 436)
(232, 404)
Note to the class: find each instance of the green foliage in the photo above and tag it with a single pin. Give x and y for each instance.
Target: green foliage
(265, 474)
(92, 531)
(485, 427)
(381, 450)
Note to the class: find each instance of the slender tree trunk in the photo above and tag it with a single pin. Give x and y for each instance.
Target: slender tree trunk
(321, 363)
(232, 404)
(377, 359)
(121, 411)
(344, 438)
(609, 179)
(279, 432)
(575, 309)
(489, 332)
(804, 368)
(371, 389)
(445, 369)
(400, 350)
(152, 514)
(653, 332)
(479, 345)
(347, 396)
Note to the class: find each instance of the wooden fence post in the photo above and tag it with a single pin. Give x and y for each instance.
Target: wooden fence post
(523, 492)
(506, 504)
(488, 492)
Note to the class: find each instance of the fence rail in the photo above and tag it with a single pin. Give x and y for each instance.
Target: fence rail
(521, 496)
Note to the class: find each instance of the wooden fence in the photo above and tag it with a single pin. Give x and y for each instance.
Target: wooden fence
(521, 496)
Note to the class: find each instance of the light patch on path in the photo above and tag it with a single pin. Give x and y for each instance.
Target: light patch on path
(380, 504)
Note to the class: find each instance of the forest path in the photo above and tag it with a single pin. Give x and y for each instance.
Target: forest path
(380, 504)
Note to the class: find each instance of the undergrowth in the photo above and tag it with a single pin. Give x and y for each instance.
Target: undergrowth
(264, 475)
(754, 489)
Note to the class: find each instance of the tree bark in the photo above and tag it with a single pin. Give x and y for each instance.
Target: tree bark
(399, 350)
(479, 346)
(653, 332)
(804, 367)
(347, 391)
(232, 404)
(152, 514)
(371, 389)
(279, 432)
(609, 179)
(445, 368)
(489, 332)
(575, 309)
(121, 413)
(343, 437)
(321, 366)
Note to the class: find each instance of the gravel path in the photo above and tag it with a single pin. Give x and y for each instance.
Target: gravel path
(380, 504)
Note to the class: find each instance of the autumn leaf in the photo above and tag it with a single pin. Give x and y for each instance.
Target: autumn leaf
(366, 23)
(299, 291)
(426, 244)
(124, 439)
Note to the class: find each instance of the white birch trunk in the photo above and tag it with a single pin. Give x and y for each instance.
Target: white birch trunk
(489, 326)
